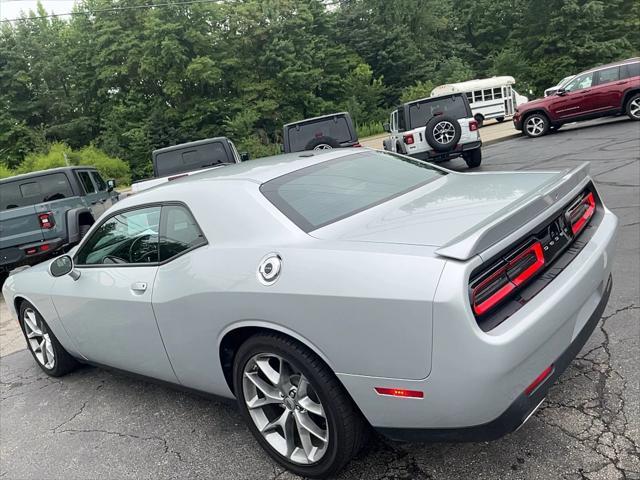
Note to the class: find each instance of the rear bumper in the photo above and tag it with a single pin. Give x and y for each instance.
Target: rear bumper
(519, 411)
(13, 257)
(434, 156)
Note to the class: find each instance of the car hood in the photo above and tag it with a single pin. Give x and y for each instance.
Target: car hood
(441, 211)
(534, 103)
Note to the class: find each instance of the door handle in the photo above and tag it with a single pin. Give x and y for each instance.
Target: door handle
(139, 287)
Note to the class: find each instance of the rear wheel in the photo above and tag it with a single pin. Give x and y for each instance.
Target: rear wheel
(536, 125)
(500, 119)
(50, 355)
(473, 158)
(633, 107)
(295, 407)
(479, 119)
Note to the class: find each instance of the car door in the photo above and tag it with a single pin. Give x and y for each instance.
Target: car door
(393, 121)
(108, 311)
(607, 92)
(575, 101)
(92, 196)
(104, 196)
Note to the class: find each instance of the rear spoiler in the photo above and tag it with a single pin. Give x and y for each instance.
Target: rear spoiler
(499, 226)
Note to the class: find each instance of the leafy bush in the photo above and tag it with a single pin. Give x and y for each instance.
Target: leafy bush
(369, 129)
(60, 155)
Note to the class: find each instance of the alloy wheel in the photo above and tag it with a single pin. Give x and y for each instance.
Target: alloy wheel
(634, 108)
(443, 132)
(38, 339)
(285, 408)
(323, 146)
(535, 126)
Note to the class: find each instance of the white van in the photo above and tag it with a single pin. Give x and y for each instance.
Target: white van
(489, 97)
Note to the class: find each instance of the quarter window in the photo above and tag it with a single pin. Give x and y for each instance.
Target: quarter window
(630, 70)
(127, 238)
(180, 232)
(87, 184)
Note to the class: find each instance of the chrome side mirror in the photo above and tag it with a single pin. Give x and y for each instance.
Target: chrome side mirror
(63, 266)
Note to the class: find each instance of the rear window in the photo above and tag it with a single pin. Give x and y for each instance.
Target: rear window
(190, 158)
(421, 112)
(330, 191)
(302, 134)
(31, 191)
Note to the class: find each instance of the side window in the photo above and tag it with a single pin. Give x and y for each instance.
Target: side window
(578, 83)
(497, 92)
(608, 75)
(401, 124)
(102, 186)
(488, 94)
(630, 70)
(126, 238)
(180, 232)
(87, 184)
(470, 97)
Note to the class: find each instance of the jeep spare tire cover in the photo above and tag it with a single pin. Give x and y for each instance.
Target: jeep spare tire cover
(442, 133)
(322, 143)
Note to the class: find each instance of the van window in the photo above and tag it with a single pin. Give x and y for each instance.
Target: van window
(31, 191)
(470, 97)
(488, 94)
(497, 92)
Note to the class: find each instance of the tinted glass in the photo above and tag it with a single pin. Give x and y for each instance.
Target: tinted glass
(87, 184)
(130, 237)
(180, 232)
(22, 193)
(421, 112)
(102, 186)
(401, 124)
(302, 134)
(608, 75)
(325, 193)
(630, 70)
(190, 159)
(578, 83)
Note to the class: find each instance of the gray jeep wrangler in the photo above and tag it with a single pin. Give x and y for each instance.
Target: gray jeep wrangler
(45, 212)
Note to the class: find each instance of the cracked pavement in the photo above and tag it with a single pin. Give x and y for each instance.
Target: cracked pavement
(98, 424)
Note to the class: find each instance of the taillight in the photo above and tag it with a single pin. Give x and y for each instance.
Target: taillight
(473, 126)
(580, 214)
(408, 139)
(510, 274)
(46, 220)
(399, 392)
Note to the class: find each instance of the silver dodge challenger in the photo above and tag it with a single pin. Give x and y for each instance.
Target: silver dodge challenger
(336, 292)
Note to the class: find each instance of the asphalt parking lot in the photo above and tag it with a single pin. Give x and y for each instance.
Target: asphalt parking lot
(98, 424)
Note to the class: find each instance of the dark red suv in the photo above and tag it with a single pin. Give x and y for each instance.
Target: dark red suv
(599, 92)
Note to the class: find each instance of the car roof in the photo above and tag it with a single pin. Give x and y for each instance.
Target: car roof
(196, 143)
(614, 64)
(25, 176)
(321, 117)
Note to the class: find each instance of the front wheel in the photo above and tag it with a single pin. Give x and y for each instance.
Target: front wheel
(473, 158)
(50, 355)
(633, 107)
(536, 125)
(295, 407)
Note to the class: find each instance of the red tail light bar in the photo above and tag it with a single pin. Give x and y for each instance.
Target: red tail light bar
(473, 126)
(492, 290)
(580, 214)
(512, 271)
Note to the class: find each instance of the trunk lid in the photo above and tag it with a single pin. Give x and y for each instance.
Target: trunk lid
(460, 214)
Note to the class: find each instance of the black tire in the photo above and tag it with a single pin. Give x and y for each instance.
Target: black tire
(539, 125)
(325, 142)
(479, 119)
(63, 362)
(385, 144)
(400, 148)
(632, 108)
(473, 158)
(500, 119)
(431, 129)
(347, 429)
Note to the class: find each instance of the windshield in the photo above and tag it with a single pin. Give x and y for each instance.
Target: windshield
(421, 112)
(330, 191)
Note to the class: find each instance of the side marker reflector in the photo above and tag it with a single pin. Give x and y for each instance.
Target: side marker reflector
(399, 392)
(541, 378)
